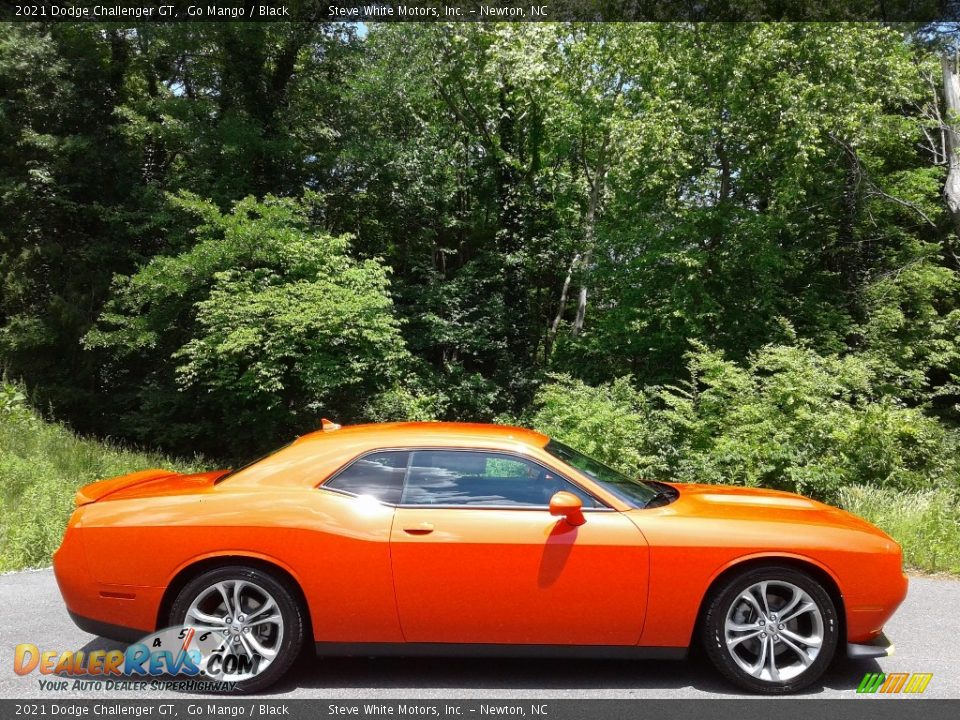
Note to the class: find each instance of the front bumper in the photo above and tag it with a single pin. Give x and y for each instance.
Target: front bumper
(879, 647)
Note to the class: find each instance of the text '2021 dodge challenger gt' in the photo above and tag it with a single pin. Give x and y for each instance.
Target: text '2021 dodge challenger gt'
(460, 539)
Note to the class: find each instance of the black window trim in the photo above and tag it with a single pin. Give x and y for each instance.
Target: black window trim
(604, 507)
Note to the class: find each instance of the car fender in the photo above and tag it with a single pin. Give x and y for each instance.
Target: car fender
(772, 555)
(234, 553)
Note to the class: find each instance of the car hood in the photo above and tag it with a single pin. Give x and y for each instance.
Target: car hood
(742, 503)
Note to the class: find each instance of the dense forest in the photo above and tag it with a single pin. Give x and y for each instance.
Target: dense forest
(719, 252)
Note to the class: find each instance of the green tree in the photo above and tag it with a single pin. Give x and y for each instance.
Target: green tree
(97, 122)
(548, 198)
(263, 326)
(790, 418)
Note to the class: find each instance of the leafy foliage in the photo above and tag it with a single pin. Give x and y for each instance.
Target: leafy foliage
(212, 235)
(791, 419)
(268, 323)
(911, 332)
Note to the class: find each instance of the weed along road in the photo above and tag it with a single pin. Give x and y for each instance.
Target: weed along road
(925, 630)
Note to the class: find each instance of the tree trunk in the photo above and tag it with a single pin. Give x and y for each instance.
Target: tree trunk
(951, 96)
(581, 303)
(564, 292)
(590, 236)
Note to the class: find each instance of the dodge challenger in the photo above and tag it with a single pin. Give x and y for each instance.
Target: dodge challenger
(455, 539)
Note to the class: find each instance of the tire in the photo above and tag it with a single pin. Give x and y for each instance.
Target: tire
(276, 628)
(739, 646)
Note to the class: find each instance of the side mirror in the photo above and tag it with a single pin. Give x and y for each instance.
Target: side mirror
(569, 506)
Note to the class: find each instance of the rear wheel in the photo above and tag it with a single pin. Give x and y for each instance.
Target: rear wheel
(257, 616)
(771, 630)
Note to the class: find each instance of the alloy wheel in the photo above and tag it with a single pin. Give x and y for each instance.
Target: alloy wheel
(247, 617)
(774, 630)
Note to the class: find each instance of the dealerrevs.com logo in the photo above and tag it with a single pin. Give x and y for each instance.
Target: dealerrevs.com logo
(205, 659)
(894, 683)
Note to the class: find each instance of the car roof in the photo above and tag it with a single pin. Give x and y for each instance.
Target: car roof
(312, 457)
(420, 433)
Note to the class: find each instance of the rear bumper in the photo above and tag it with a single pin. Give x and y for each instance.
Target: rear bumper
(121, 612)
(879, 647)
(106, 630)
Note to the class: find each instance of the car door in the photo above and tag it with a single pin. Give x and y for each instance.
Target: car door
(478, 558)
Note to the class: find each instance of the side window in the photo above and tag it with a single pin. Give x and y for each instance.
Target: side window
(462, 477)
(379, 474)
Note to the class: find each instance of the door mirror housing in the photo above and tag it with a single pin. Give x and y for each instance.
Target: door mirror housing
(569, 506)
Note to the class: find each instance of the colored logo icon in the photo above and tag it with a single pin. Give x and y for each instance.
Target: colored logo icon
(894, 683)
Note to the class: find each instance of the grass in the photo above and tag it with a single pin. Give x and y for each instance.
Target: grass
(926, 523)
(41, 466)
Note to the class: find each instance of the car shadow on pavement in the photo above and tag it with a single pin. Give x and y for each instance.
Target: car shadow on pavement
(542, 674)
(102, 643)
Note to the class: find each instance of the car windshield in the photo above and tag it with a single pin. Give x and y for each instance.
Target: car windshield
(635, 493)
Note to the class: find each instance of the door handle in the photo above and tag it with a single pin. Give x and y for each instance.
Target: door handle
(423, 528)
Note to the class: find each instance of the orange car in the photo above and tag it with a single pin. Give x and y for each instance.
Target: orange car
(461, 539)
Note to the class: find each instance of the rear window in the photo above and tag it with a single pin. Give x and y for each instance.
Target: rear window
(379, 475)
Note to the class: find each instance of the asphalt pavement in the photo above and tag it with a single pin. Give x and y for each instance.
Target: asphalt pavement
(926, 631)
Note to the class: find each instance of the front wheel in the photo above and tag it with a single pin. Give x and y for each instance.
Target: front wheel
(257, 616)
(771, 630)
